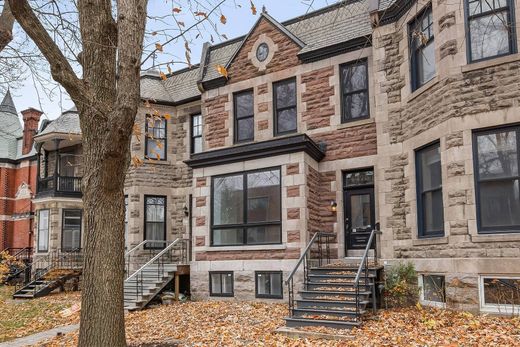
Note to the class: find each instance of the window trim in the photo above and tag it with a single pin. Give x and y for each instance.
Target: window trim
(232, 294)
(268, 296)
(423, 301)
(344, 94)
(494, 308)
(510, 8)
(244, 226)
(414, 72)
(501, 229)
(235, 118)
(63, 226)
(38, 249)
(147, 138)
(421, 232)
(277, 111)
(193, 137)
(164, 216)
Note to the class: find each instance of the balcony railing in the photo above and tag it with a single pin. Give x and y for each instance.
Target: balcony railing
(62, 185)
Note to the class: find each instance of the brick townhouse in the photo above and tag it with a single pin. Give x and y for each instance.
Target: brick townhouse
(17, 175)
(397, 113)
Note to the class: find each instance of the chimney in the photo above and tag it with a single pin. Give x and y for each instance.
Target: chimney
(31, 118)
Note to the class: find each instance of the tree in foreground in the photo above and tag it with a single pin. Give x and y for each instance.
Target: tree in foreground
(94, 49)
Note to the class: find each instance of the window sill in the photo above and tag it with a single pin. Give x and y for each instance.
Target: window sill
(432, 303)
(242, 248)
(510, 237)
(430, 241)
(491, 62)
(356, 123)
(422, 89)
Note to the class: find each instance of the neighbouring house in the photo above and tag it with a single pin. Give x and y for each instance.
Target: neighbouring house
(402, 114)
(17, 175)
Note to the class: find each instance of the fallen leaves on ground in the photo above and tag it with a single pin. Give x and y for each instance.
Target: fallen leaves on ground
(229, 323)
(20, 318)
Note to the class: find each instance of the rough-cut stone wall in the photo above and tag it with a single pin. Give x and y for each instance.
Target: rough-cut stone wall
(216, 121)
(317, 98)
(285, 56)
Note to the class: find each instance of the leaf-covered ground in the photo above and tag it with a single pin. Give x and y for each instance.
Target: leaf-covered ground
(20, 318)
(212, 323)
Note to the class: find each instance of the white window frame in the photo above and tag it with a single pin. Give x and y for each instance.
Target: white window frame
(421, 286)
(493, 308)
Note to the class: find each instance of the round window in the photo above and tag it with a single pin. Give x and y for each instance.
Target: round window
(262, 52)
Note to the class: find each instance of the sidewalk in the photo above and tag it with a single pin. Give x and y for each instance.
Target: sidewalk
(39, 337)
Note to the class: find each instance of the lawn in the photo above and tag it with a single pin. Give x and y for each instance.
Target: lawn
(20, 318)
(252, 324)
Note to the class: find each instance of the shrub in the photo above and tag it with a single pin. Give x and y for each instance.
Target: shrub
(7, 264)
(401, 287)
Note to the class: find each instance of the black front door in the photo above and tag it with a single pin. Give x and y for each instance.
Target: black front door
(359, 209)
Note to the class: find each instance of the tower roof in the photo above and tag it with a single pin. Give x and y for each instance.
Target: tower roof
(7, 104)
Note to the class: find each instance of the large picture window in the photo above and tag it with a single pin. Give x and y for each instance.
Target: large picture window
(43, 230)
(155, 221)
(155, 131)
(490, 28)
(196, 133)
(497, 179)
(244, 116)
(429, 191)
(285, 107)
(422, 49)
(71, 230)
(246, 208)
(354, 91)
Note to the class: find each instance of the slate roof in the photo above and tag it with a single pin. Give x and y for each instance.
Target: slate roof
(66, 123)
(10, 129)
(179, 86)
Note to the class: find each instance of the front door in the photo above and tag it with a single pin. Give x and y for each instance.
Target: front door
(359, 208)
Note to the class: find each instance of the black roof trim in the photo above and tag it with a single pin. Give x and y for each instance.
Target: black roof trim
(19, 160)
(214, 83)
(337, 49)
(395, 11)
(319, 11)
(256, 150)
(172, 103)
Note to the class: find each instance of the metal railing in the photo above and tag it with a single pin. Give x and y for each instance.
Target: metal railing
(68, 184)
(142, 253)
(363, 273)
(175, 252)
(317, 253)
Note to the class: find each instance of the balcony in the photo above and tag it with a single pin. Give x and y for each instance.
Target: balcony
(57, 185)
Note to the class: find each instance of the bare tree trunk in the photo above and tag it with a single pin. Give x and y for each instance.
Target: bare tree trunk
(6, 26)
(107, 99)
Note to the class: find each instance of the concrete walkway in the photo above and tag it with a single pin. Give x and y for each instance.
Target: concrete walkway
(39, 337)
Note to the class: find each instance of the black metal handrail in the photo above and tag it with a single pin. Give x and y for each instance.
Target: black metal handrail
(364, 268)
(59, 183)
(322, 240)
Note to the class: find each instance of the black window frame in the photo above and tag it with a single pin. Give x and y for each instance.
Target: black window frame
(276, 110)
(38, 249)
(416, 50)
(235, 115)
(211, 293)
(510, 19)
(268, 296)
(421, 232)
(495, 229)
(147, 128)
(345, 94)
(63, 211)
(148, 246)
(244, 226)
(192, 132)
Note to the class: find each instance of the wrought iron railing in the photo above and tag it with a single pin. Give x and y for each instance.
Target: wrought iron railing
(23, 258)
(23, 254)
(363, 274)
(65, 184)
(175, 252)
(317, 253)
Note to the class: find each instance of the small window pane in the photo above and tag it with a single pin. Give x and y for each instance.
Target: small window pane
(359, 178)
(263, 191)
(228, 237)
(360, 211)
(264, 235)
(489, 36)
(426, 63)
(356, 105)
(355, 77)
(246, 129)
(216, 283)
(197, 145)
(430, 159)
(269, 284)
(432, 211)
(244, 104)
(43, 230)
(500, 203)
(434, 288)
(221, 284)
(502, 291)
(71, 232)
(228, 197)
(285, 94)
(287, 120)
(155, 215)
(497, 155)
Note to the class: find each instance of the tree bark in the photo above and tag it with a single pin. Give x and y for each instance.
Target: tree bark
(6, 26)
(107, 98)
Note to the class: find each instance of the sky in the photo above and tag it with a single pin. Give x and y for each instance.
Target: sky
(239, 22)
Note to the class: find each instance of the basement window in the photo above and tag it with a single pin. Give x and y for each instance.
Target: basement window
(221, 283)
(500, 294)
(269, 284)
(433, 289)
